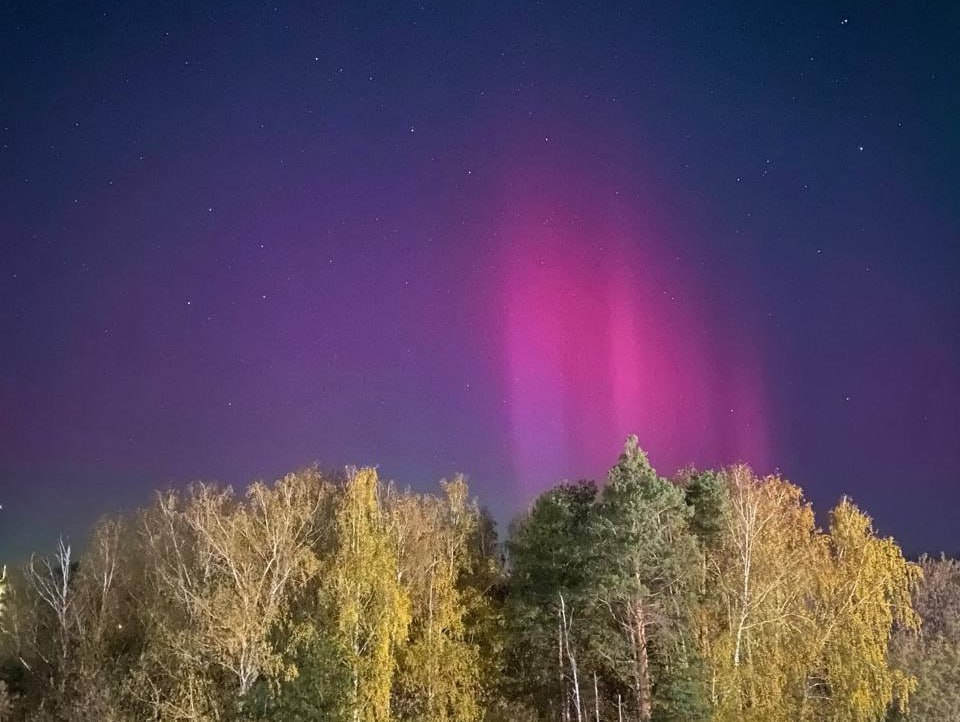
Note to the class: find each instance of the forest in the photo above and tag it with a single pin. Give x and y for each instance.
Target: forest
(712, 595)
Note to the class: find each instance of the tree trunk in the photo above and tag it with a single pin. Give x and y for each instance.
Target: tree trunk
(564, 701)
(596, 699)
(641, 664)
(571, 658)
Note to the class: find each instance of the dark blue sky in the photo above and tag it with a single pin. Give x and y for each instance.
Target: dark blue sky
(236, 238)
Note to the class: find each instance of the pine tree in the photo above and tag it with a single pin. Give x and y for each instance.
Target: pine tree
(549, 551)
(645, 573)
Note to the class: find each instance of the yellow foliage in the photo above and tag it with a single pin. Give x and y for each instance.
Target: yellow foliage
(864, 587)
(439, 674)
(373, 610)
(796, 623)
(221, 570)
(755, 618)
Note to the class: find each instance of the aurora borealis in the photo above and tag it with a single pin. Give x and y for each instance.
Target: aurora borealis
(602, 334)
(238, 238)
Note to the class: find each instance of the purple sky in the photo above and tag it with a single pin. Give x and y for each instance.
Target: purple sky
(243, 237)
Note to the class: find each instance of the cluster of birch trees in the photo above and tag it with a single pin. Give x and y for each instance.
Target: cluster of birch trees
(710, 596)
(311, 599)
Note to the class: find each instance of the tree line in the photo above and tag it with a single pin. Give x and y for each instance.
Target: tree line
(710, 596)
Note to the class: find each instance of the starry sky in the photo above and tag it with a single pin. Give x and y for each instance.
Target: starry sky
(240, 237)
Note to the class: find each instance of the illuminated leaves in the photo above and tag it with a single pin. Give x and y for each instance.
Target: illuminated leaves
(221, 570)
(439, 672)
(864, 590)
(712, 597)
(755, 614)
(796, 623)
(373, 609)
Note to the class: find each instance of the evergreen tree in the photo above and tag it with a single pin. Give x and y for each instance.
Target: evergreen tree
(549, 552)
(645, 573)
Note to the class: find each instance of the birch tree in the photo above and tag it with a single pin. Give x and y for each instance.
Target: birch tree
(755, 623)
(221, 568)
(864, 592)
(51, 579)
(439, 670)
(373, 611)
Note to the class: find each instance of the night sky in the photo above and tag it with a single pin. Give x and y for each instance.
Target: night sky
(237, 238)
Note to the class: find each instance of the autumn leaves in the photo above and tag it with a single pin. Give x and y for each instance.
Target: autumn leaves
(710, 596)
(713, 596)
